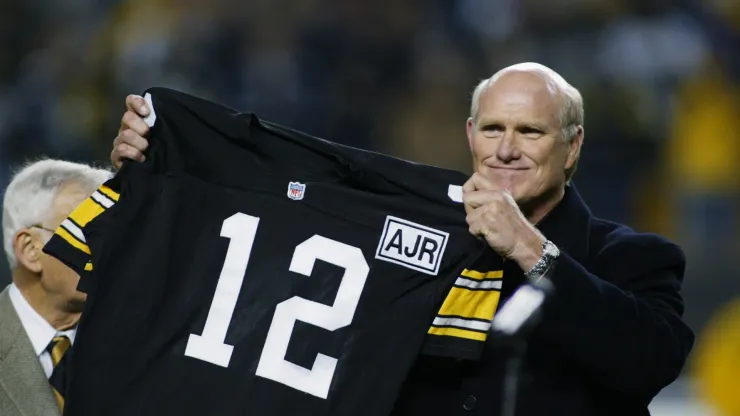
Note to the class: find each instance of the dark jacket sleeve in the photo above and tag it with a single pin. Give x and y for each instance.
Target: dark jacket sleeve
(620, 321)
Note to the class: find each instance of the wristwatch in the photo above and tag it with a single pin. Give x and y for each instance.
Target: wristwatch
(550, 254)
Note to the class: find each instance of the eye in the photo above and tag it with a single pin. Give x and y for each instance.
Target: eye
(491, 129)
(531, 131)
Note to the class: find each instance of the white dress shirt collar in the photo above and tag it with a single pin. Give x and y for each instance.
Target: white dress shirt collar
(38, 329)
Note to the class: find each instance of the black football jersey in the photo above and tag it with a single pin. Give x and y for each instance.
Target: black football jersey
(249, 269)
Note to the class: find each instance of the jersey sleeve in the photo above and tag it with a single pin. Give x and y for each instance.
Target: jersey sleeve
(69, 243)
(463, 322)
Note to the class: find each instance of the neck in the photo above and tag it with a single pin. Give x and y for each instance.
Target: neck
(59, 314)
(536, 211)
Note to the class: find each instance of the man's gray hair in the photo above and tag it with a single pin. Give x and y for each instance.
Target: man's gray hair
(571, 109)
(29, 198)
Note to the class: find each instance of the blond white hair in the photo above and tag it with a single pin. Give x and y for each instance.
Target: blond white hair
(29, 198)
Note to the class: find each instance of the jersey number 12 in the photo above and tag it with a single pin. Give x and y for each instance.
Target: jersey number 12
(241, 229)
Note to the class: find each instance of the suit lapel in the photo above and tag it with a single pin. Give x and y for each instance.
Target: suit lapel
(568, 225)
(21, 374)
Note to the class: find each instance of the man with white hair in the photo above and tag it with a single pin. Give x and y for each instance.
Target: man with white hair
(612, 336)
(39, 310)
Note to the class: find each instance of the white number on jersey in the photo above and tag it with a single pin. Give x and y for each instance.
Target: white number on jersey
(241, 230)
(210, 346)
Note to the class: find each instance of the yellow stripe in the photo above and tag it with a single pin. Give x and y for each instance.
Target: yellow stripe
(88, 266)
(109, 192)
(59, 399)
(459, 333)
(71, 240)
(469, 303)
(86, 212)
(472, 274)
(61, 346)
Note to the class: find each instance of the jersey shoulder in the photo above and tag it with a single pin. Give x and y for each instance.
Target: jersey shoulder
(413, 177)
(70, 244)
(213, 136)
(435, 187)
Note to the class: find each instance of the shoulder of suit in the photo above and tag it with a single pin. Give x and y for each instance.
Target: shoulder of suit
(615, 243)
(6, 306)
(10, 323)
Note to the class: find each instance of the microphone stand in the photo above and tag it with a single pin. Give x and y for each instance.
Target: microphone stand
(512, 325)
(514, 365)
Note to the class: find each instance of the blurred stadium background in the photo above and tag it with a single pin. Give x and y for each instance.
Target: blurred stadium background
(660, 78)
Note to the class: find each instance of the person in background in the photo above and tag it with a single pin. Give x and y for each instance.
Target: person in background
(613, 335)
(40, 309)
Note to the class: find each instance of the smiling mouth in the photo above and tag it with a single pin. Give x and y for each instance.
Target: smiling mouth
(508, 168)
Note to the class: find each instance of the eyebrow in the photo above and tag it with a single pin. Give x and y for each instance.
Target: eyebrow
(537, 126)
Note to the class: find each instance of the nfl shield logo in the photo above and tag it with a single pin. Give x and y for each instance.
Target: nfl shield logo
(296, 190)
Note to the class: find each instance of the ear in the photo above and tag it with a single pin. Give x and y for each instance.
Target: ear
(27, 250)
(574, 149)
(469, 127)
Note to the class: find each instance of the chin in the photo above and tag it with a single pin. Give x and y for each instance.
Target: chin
(516, 190)
(506, 183)
(77, 302)
(522, 196)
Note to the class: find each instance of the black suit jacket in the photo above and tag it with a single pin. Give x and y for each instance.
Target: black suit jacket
(610, 339)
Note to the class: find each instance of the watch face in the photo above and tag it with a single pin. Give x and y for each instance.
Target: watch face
(551, 249)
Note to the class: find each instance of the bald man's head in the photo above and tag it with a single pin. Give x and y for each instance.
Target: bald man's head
(570, 103)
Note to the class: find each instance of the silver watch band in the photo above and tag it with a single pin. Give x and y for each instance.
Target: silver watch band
(550, 254)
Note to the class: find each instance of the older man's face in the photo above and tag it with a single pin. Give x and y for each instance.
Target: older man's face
(59, 280)
(516, 140)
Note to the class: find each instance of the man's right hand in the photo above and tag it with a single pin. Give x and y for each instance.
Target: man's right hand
(131, 142)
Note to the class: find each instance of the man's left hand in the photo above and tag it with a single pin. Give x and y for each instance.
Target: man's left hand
(494, 215)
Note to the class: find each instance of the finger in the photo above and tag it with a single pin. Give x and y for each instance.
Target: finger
(133, 121)
(137, 104)
(468, 209)
(132, 139)
(468, 186)
(473, 217)
(483, 183)
(124, 151)
(472, 200)
(478, 231)
(118, 140)
(477, 199)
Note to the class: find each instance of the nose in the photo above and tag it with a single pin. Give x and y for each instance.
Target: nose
(508, 148)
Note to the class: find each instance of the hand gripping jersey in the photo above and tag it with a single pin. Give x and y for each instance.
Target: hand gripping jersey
(249, 269)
